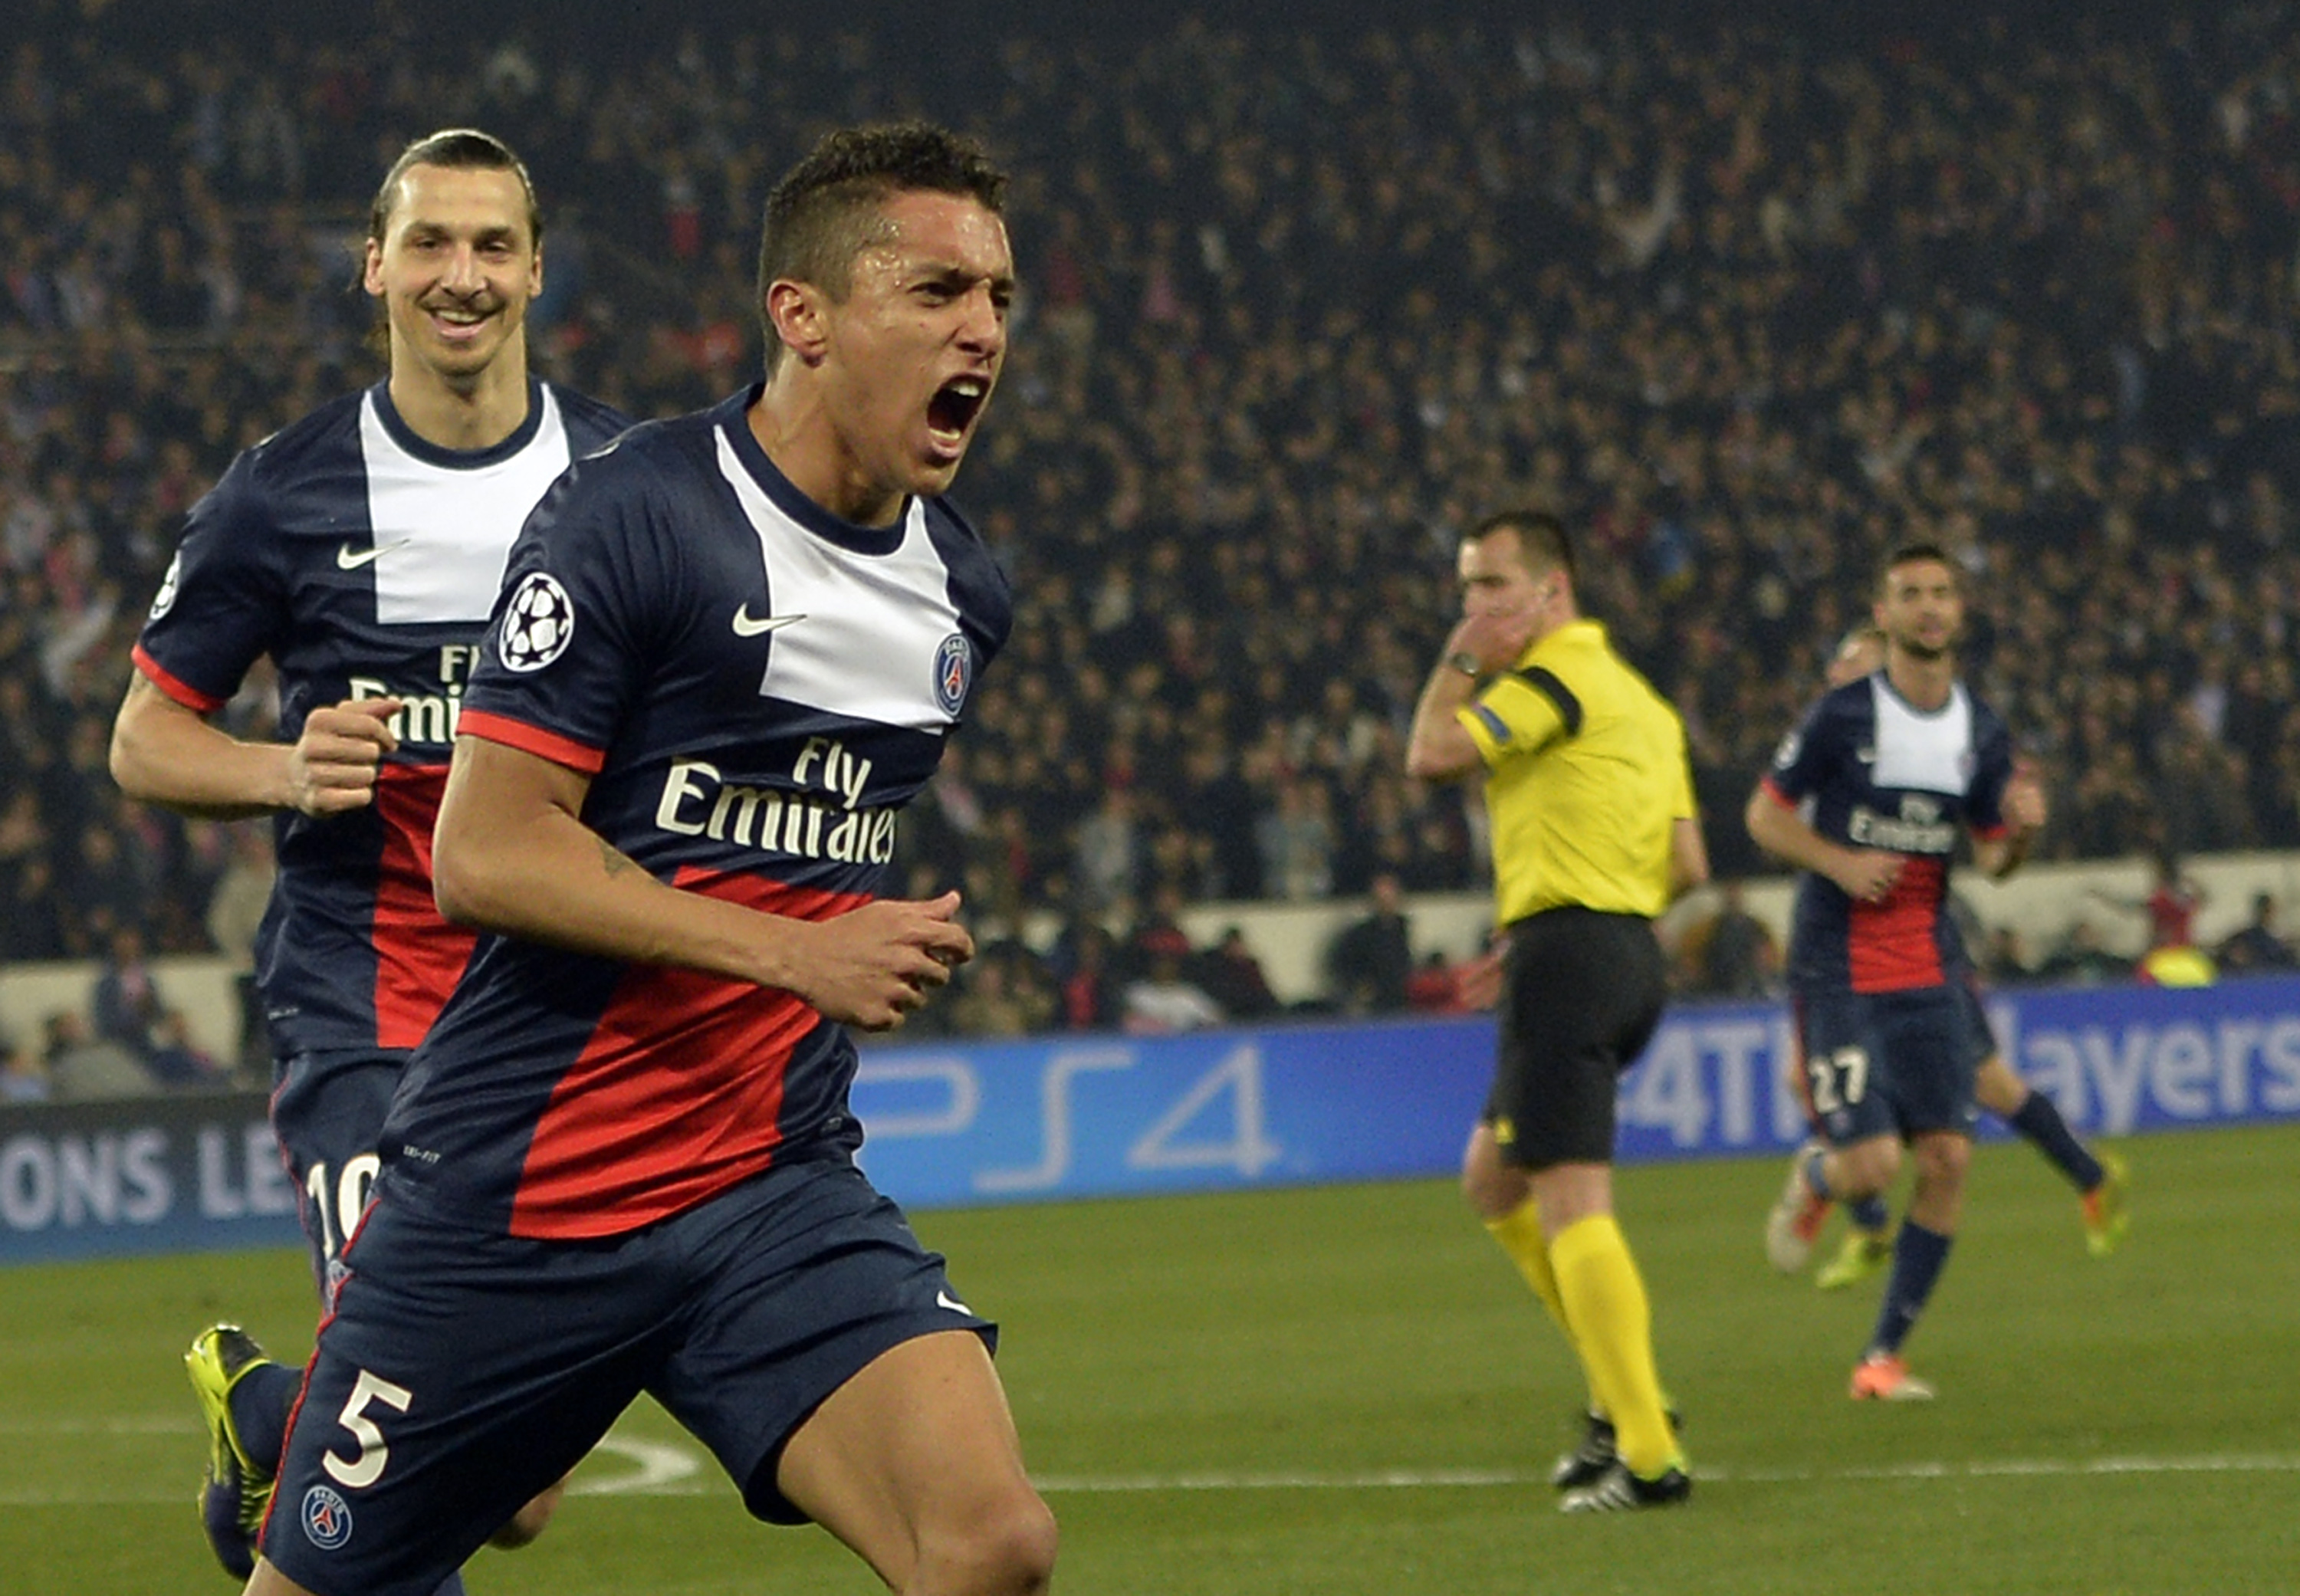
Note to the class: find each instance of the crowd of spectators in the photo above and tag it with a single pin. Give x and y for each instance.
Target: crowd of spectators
(1748, 302)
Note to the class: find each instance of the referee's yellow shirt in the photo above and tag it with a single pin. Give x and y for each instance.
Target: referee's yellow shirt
(1586, 775)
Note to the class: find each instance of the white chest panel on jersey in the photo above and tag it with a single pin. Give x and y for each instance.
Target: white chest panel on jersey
(441, 533)
(1929, 754)
(855, 634)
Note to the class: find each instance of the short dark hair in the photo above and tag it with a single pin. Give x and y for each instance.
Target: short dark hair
(1913, 554)
(825, 211)
(1542, 540)
(466, 148)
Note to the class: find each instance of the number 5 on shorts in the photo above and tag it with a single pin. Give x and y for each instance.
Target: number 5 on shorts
(366, 1467)
(1839, 1080)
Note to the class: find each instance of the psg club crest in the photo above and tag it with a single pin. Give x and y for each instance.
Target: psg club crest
(327, 1518)
(954, 672)
(165, 599)
(537, 623)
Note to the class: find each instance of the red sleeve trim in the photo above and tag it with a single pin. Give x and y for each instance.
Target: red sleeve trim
(531, 739)
(175, 686)
(1765, 785)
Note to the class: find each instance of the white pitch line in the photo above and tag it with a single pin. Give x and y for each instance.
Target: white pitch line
(663, 1469)
(1408, 1479)
(132, 1424)
(2001, 1468)
(1381, 1479)
(671, 1470)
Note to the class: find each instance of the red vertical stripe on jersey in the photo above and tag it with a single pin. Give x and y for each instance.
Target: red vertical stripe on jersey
(678, 1094)
(418, 955)
(1891, 947)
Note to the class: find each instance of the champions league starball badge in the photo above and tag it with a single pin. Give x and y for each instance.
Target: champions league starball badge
(537, 623)
(165, 599)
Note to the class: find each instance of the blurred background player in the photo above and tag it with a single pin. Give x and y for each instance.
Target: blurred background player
(361, 548)
(1595, 833)
(728, 652)
(1868, 797)
(2100, 1177)
(2173, 901)
(2256, 947)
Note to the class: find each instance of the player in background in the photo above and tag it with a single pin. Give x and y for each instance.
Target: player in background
(361, 548)
(2174, 899)
(2100, 1179)
(1868, 797)
(1594, 831)
(729, 651)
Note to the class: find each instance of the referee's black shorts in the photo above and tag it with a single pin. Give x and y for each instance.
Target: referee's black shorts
(1582, 992)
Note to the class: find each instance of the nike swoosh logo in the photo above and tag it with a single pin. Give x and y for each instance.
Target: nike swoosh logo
(747, 625)
(348, 558)
(944, 1300)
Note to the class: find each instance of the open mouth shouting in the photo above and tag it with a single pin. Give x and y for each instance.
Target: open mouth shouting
(950, 414)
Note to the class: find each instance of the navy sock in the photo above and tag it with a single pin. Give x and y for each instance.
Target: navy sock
(2039, 1119)
(452, 1585)
(1918, 1255)
(259, 1404)
(1870, 1213)
(1813, 1177)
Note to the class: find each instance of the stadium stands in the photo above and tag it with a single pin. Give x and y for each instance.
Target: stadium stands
(1748, 302)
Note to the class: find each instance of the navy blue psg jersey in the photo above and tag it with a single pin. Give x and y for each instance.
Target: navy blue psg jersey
(1870, 770)
(755, 688)
(364, 562)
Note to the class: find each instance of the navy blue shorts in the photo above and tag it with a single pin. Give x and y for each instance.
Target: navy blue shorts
(327, 1111)
(1979, 1037)
(1892, 1063)
(464, 1372)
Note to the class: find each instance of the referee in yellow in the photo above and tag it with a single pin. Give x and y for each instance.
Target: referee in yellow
(1594, 829)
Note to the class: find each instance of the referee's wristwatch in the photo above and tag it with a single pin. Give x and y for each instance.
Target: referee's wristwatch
(1466, 663)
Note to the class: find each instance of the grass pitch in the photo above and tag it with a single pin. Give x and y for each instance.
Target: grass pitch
(1346, 1390)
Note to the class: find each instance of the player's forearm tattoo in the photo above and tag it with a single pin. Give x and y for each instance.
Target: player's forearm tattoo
(615, 860)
